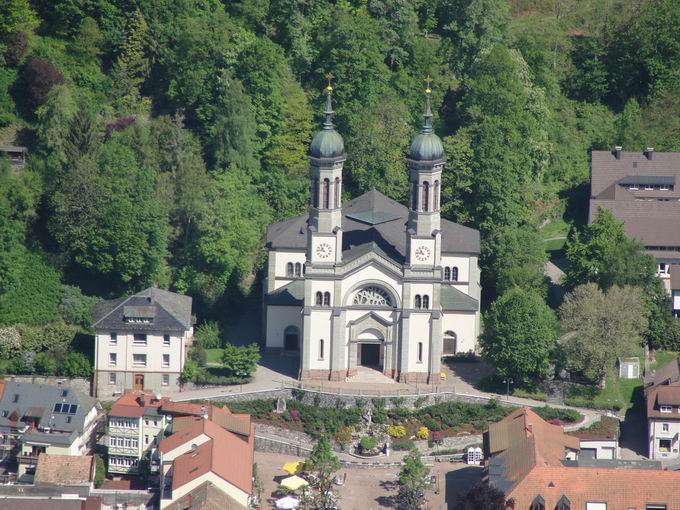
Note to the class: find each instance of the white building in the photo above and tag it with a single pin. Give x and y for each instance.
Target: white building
(141, 342)
(372, 282)
(662, 395)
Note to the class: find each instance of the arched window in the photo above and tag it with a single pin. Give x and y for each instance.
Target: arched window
(454, 274)
(449, 348)
(563, 503)
(289, 269)
(374, 296)
(326, 299)
(426, 302)
(321, 349)
(418, 301)
(426, 196)
(315, 193)
(319, 299)
(291, 336)
(336, 192)
(420, 352)
(435, 198)
(414, 195)
(326, 193)
(298, 269)
(447, 273)
(537, 504)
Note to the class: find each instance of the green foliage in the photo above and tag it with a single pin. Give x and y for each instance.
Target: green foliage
(74, 307)
(367, 443)
(75, 364)
(208, 335)
(554, 413)
(16, 15)
(45, 364)
(520, 333)
(396, 431)
(241, 361)
(100, 471)
(413, 481)
(189, 371)
(323, 464)
(455, 414)
(482, 495)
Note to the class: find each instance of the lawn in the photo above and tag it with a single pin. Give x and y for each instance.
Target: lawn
(213, 356)
(617, 394)
(663, 358)
(554, 235)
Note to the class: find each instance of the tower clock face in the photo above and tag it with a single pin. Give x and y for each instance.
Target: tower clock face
(323, 250)
(422, 253)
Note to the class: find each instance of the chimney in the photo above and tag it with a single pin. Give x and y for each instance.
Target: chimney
(649, 152)
(617, 151)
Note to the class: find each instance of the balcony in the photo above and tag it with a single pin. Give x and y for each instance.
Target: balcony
(29, 460)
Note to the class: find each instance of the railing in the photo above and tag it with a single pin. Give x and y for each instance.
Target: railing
(363, 392)
(27, 459)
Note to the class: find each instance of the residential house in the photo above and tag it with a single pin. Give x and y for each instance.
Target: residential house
(600, 442)
(136, 426)
(141, 342)
(662, 397)
(205, 461)
(643, 190)
(43, 418)
(540, 467)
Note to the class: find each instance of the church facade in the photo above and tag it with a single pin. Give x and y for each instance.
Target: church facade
(371, 282)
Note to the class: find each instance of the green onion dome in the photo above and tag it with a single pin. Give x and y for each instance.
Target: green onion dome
(327, 143)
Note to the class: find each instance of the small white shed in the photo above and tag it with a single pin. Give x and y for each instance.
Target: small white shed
(629, 368)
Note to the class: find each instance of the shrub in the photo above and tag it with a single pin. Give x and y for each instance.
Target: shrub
(403, 445)
(241, 360)
(38, 77)
(55, 337)
(10, 342)
(344, 436)
(75, 364)
(208, 335)
(198, 355)
(396, 431)
(100, 472)
(563, 415)
(45, 364)
(16, 47)
(212, 376)
(256, 408)
(293, 415)
(423, 433)
(74, 307)
(367, 443)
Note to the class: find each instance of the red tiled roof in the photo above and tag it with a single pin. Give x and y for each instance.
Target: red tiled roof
(662, 395)
(132, 404)
(237, 423)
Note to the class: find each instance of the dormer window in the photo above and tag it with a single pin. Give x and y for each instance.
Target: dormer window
(563, 504)
(537, 504)
(666, 409)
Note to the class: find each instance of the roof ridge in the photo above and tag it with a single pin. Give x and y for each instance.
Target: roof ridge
(113, 309)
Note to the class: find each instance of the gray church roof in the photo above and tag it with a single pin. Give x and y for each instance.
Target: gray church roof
(455, 300)
(373, 218)
(149, 310)
(60, 408)
(292, 294)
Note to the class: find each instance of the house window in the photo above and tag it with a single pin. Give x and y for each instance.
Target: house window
(326, 299)
(666, 409)
(336, 191)
(113, 339)
(447, 273)
(418, 301)
(112, 378)
(298, 269)
(166, 380)
(426, 302)
(537, 504)
(15, 399)
(326, 193)
(420, 352)
(563, 503)
(139, 339)
(146, 439)
(414, 196)
(289, 269)
(139, 360)
(319, 299)
(5, 414)
(315, 193)
(166, 340)
(426, 196)
(321, 349)
(166, 360)
(113, 359)
(665, 445)
(435, 198)
(665, 427)
(454, 274)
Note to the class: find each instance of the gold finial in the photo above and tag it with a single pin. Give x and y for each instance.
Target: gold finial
(329, 77)
(428, 80)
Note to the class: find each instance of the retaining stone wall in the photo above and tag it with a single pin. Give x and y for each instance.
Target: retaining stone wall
(80, 384)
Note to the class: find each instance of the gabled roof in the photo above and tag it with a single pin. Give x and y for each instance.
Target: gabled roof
(162, 309)
(667, 374)
(224, 454)
(207, 496)
(373, 218)
(292, 294)
(454, 299)
(134, 404)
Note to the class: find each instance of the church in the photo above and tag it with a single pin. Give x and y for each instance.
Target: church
(371, 282)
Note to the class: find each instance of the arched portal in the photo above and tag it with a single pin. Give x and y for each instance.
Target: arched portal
(370, 349)
(450, 344)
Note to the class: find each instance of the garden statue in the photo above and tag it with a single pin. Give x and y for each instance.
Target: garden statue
(280, 405)
(369, 418)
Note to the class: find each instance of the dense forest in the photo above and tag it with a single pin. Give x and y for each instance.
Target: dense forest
(164, 135)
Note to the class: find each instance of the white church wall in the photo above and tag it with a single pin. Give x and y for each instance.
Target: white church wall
(461, 262)
(421, 289)
(324, 286)
(321, 330)
(278, 319)
(419, 332)
(368, 274)
(281, 260)
(464, 325)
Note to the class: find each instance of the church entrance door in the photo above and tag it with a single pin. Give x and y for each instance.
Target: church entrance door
(369, 355)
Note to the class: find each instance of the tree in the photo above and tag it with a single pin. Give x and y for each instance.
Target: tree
(601, 327)
(482, 496)
(519, 336)
(241, 361)
(37, 78)
(132, 66)
(413, 481)
(16, 15)
(323, 464)
(208, 335)
(588, 80)
(76, 364)
(88, 40)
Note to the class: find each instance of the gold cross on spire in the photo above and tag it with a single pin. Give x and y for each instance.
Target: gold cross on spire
(329, 77)
(428, 80)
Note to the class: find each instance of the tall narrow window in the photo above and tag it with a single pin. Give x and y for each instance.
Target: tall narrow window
(418, 301)
(298, 269)
(538, 503)
(426, 302)
(336, 192)
(414, 196)
(319, 299)
(321, 349)
(289, 269)
(315, 193)
(420, 352)
(454, 274)
(435, 198)
(447, 273)
(326, 299)
(326, 193)
(426, 196)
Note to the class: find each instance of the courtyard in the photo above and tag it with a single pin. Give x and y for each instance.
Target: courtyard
(373, 488)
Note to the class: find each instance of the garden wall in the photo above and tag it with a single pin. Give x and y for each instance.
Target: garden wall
(81, 384)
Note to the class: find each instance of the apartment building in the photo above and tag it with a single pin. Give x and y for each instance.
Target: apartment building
(662, 396)
(43, 418)
(141, 342)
